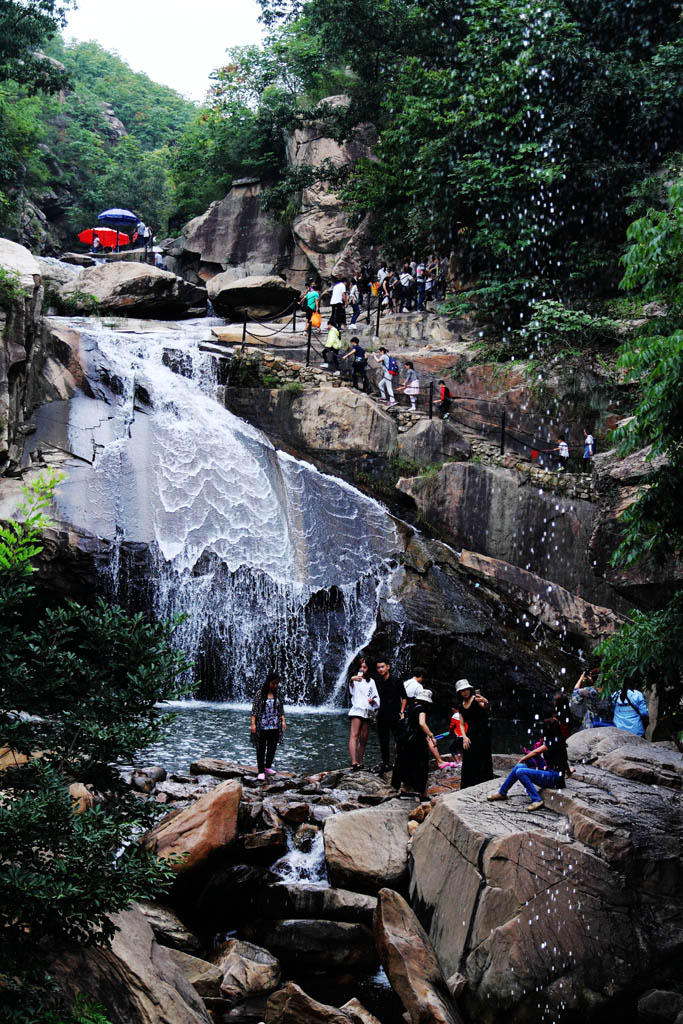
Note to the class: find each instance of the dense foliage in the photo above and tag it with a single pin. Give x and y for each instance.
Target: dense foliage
(102, 140)
(78, 692)
(648, 650)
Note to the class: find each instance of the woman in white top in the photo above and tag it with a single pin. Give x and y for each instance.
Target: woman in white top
(364, 701)
(411, 385)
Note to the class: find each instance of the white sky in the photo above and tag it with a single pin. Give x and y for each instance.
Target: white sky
(176, 42)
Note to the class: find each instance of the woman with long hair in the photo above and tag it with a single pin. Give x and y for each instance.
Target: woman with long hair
(631, 711)
(268, 725)
(364, 702)
(477, 765)
(415, 743)
(553, 750)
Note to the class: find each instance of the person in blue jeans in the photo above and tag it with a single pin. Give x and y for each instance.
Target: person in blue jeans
(554, 750)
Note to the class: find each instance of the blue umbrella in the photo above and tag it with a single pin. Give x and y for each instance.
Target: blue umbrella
(117, 216)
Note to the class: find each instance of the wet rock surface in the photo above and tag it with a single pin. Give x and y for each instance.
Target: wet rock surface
(368, 849)
(261, 296)
(559, 911)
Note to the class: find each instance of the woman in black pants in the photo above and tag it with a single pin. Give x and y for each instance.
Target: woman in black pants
(268, 724)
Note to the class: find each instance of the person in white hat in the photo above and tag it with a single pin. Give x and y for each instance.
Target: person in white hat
(411, 767)
(477, 765)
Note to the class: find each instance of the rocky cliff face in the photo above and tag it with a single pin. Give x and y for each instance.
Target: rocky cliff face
(236, 236)
(571, 910)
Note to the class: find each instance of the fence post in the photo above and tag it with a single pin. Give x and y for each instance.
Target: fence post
(294, 320)
(244, 331)
(502, 433)
(308, 345)
(379, 313)
(369, 300)
(431, 399)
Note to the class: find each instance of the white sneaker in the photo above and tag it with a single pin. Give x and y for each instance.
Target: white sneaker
(261, 776)
(337, 373)
(324, 366)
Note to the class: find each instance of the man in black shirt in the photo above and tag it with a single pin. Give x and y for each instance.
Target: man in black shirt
(390, 691)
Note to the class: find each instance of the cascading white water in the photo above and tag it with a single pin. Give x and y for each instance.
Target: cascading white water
(271, 561)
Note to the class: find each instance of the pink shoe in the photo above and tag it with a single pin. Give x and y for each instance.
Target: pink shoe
(270, 771)
(393, 403)
(261, 776)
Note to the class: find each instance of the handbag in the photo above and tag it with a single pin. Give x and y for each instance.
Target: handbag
(316, 320)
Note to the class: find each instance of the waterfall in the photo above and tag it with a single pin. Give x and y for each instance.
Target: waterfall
(271, 561)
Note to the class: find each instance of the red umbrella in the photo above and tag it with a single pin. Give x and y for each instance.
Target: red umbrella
(107, 237)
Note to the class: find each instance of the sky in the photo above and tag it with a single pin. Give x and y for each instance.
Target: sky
(175, 42)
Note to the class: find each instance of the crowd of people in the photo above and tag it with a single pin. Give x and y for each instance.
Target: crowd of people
(399, 711)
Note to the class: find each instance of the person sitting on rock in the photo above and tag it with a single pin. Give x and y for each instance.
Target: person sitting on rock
(554, 750)
(331, 350)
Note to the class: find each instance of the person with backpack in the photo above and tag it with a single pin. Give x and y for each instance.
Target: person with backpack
(359, 366)
(587, 704)
(445, 398)
(552, 751)
(389, 374)
(631, 711)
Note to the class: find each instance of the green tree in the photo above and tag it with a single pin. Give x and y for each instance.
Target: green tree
(24, 26)
(648, 650)
(78, 692)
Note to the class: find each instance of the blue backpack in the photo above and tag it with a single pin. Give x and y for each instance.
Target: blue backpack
(393, 365)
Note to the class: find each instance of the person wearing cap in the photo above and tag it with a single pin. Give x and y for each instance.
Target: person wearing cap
(477, 765)
(411, 767)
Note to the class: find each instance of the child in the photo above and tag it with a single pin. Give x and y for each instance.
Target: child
(457, 730)
(562, 453)
(411, 385)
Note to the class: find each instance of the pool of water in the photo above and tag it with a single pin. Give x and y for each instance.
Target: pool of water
(316, 738)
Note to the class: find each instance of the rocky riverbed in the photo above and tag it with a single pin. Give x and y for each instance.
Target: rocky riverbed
(290, 895)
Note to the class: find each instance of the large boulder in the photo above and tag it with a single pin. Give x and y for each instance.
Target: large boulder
(618, 483)
(557, 608)
(247, 971)
(326, 421)
(234, 232)
(410, 962)
(136, 980)
(135, 289)
(564, 912)
(291, 1005)
(321, 945)
(431, 441)
(259, 296)
(204, 977)
(306, 899)
(191, 835)
(367, 849)
(322, 229)
(497, 512)
(168, 929)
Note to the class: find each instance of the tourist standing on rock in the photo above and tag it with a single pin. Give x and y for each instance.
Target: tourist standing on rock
(587, 703)
(631, 711)
(268, 724)
(389, 371)
(390, 690)
(553, 749)
(359, 366)
(420, 279)
(411, 385)
(407, 289)
(415, 742)
(477, 765)
(457, 730)
(310, 301)
(562, 453)
(364, 702)
(337, 304)
(409, 694)
(331, 350)
(588, 449)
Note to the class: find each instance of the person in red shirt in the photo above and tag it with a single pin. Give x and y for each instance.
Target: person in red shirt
(457, 730)
(444, 400)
